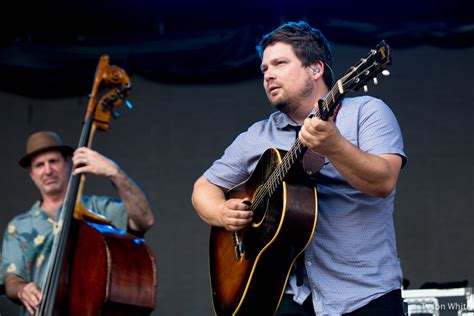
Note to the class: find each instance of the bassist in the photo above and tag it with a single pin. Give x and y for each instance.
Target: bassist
(28, 240)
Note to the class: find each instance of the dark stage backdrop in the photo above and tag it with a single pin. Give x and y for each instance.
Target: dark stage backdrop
(175, 132)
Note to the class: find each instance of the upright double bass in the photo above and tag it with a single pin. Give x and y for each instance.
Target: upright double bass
(96, 269)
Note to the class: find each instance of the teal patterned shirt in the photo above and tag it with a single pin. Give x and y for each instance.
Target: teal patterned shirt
(29, 237)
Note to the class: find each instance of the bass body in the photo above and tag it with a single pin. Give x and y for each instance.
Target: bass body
(249, 269)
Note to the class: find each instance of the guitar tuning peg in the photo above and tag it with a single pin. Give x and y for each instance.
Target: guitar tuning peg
(376, 82)
(128, 103)
(365, 88)
(115, 114)
(386, 73)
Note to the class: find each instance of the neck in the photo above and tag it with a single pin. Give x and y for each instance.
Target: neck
(50, 204)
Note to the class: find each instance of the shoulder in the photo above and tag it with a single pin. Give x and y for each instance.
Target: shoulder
(98, 199)
(275, 120)
(103, 204)
(257, 130)
(262, 124)
(366, 108)
(364, 103)
(26, 216)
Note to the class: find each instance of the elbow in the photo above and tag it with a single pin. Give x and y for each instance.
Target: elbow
(381, 193)
(196, 188)
(383, 190)
(150, 222)
(194, 201)
(144, 224)
(384, 187)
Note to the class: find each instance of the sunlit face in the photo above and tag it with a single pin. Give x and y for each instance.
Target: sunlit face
(50, 172)
(286, 81)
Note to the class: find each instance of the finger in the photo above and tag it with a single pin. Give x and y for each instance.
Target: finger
(36, 297)
(30, 309)
(29, 306)
(79, 158)
(229, 214)
(304, 135)
(235, 204)
(247, 202)
(34, 302)
(80, 170)
(238, 221)
(241, 214)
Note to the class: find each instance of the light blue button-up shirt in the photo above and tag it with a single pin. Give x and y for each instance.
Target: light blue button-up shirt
(352, 258)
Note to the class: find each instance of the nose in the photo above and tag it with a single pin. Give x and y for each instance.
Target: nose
(48, 168)
(269, 75)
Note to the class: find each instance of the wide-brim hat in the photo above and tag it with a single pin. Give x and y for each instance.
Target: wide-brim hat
(40, 142)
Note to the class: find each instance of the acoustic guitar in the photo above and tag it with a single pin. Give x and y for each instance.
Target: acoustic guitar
(249, 268)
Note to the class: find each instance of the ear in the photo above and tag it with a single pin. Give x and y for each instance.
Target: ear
(317, 70)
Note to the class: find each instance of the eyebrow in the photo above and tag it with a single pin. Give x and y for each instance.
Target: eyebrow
(50, 160)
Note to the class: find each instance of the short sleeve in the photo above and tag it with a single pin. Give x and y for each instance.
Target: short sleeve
(379, 131)
(13, 261)
(230, 169)
(112, 208)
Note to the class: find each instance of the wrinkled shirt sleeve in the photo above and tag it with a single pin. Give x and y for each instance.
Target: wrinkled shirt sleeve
(112, 208)
(13, 261)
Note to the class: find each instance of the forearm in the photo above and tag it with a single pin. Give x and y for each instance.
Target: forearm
(23, 292)
(135, 201)
(140, 216)
(372, 174)
(208, 201)
(13, 285)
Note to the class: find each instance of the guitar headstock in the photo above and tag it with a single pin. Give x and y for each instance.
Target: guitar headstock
(377, 61)
(357, 76)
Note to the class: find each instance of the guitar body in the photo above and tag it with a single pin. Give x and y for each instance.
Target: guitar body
(249, 269)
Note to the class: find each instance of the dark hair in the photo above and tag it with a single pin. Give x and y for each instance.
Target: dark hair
(308, 43)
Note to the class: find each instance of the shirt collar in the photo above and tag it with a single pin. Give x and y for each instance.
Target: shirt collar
(37, 211)
(282, 120)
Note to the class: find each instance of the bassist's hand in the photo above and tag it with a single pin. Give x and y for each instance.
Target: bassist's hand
(236, 214)
(86, 160)
(30, 296)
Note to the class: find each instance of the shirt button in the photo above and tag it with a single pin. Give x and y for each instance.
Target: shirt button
(308, 263)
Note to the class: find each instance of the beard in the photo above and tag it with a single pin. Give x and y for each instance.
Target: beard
(289, 102)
